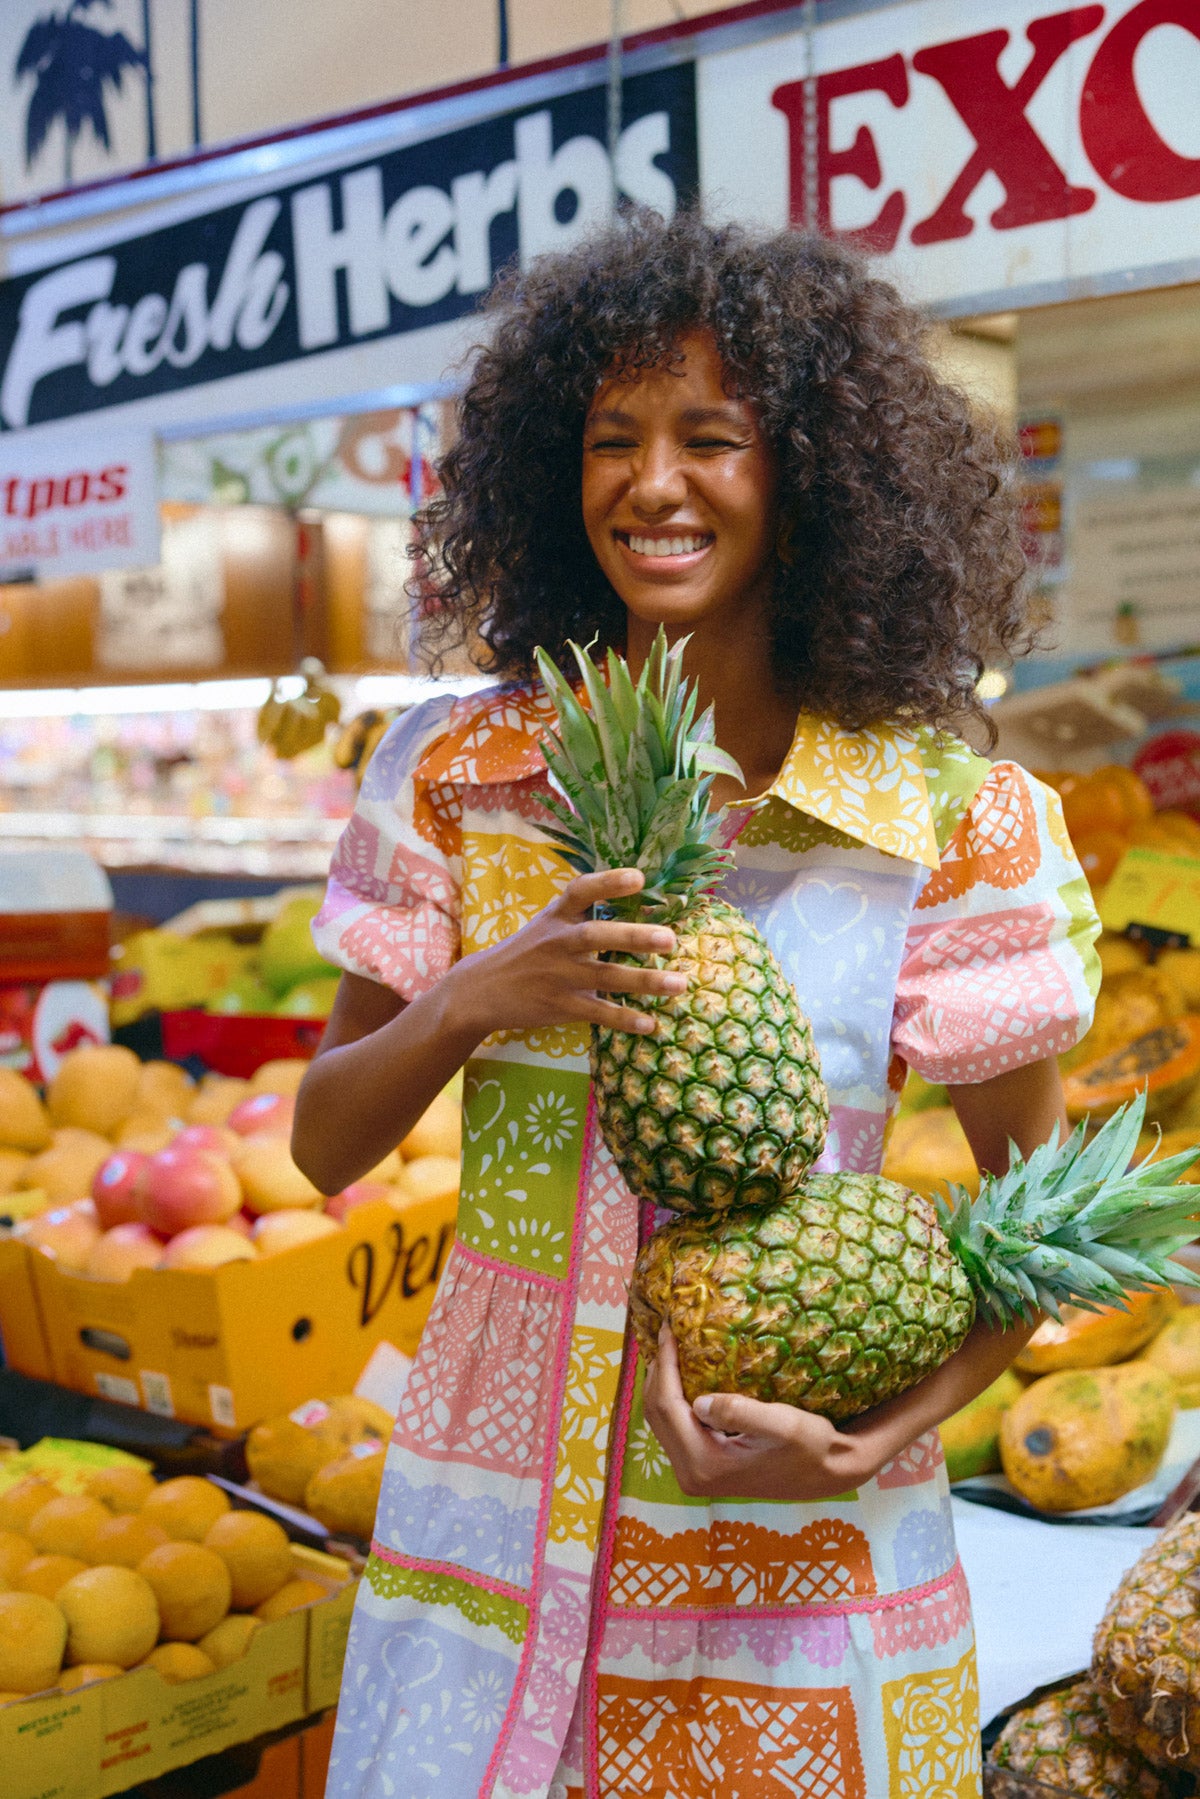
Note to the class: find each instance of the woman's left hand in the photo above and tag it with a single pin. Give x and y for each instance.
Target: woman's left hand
(770, 1451)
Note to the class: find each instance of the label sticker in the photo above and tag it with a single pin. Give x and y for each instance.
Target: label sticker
(116, 1386)
(310, 1414)
(221, 1407)
(369, 1446)
(156, 1389)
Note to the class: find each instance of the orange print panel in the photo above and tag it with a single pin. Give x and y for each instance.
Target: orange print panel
(681, 1739)
(996, 845)
(729, 1563)
(437, 816)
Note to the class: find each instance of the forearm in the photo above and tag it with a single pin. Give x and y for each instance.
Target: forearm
(883, 1432)
(360, 1098)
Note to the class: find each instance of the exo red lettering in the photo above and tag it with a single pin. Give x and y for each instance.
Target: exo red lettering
(1035, 188)
(1121, 143)
(860, 159)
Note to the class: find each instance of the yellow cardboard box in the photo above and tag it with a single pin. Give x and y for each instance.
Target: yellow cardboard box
(21, 1327)
(106, 1737)
(230, 1346)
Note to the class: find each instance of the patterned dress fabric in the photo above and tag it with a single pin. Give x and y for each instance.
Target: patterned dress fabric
(545, 1614)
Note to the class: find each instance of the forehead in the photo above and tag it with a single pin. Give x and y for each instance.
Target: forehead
(697, 377)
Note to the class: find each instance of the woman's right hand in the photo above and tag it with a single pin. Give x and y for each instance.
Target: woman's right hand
(550, 972)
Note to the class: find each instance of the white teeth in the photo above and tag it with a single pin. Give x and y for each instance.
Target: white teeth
(665, 546)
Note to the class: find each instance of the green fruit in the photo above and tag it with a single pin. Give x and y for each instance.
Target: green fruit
(287, 954)
(310, 999)
(971, 1437)
(245, 995)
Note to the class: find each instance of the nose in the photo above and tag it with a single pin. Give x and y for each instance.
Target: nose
(659, 483)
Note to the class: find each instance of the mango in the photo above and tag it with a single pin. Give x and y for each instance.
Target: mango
(971, 1437)
(1176, 1351)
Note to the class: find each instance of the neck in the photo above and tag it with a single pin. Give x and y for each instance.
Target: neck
(732, 670)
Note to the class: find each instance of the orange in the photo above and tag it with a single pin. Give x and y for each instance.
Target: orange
(33, 1635)
(23, 1501)
(229, 1640)
(1183, 826)
(1138, 802)
(67, 1525)
(127, 1540)
(85, 1674)
(1097, 804)
(15, 1552)
(45, 1574)
(256, 1551)
(187, 1507)
(121, 1489)
(192, 1586)
(112, 1616)
(1099, 852)
(290, 1598)
(177, 1662)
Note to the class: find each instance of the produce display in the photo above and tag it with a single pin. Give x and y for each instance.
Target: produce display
(1066, 1744)
(126, 1165)
(326, 1456)
(130, 1574)
(830, 1291)
(1112, 809)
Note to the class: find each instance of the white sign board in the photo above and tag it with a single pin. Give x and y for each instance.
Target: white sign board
(74, 503)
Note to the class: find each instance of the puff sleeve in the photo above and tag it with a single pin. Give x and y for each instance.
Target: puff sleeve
(998, 968)
(391, 909)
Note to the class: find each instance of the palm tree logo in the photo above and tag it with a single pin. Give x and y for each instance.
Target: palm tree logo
(71, 63)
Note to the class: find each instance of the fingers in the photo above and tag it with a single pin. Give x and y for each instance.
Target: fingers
(586, 891)
(734, 1415)
(619, 977)
(610, 937)
(591, 1010)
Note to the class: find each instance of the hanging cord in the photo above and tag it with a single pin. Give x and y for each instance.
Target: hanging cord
(811, 192)
(615, 72)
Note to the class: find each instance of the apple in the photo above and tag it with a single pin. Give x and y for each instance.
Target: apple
(207, 1246)
(271, 1179)
(115, 1255)
(284, 1230)
(186, 1187)
(430, 1177)
(358, 1193)
(67, 1234)
(215, 1137)
(117, 1187)
(265, 1114)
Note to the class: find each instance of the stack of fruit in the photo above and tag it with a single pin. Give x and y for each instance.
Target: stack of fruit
(127, 1165)
(326, 1456)
(1111, 809)
(1130, 1729)
(131, 1574)
(1085, 1413)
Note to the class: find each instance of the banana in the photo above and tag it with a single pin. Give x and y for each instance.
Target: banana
(293, 726)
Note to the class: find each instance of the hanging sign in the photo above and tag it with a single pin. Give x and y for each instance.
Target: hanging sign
(75, 504)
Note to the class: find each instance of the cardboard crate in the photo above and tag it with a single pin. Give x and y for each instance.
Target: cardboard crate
(21, 1330)
(228, 1347)
(134, 1728)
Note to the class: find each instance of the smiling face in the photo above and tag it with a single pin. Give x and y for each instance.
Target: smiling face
(680, 493)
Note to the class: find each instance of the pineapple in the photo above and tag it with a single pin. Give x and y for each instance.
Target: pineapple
(724, 1105)
(1146, 1652)
(1065, 1744)
(828, 1291)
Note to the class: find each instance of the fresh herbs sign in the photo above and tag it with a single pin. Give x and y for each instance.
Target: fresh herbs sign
(409, 239)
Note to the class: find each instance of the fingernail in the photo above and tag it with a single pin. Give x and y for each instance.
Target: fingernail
(674, 983)
(703, 1407)
(645, 1025)
(664, 940)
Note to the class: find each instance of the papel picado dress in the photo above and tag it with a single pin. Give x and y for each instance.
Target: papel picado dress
(545, 1614)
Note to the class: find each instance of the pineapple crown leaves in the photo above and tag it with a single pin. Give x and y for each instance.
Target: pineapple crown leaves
(1075, 1223)
(636, 767)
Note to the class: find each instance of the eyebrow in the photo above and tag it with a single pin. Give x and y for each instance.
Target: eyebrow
(692, 415)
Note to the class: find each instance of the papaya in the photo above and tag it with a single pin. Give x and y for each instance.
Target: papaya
(1176, 1351)
(1164, 1061)
(344, 1494)
(1097, 1339)
(1183, 967)
(1129, 1003)
(927, 1149)
(284, 1453)
(1085, 1436)
(1119, 955)
(971, 1437)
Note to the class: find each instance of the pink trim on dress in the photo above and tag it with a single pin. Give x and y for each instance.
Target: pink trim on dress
(553, 1283)
(420, 1564)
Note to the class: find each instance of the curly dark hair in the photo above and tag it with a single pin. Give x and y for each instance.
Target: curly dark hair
(900, 569)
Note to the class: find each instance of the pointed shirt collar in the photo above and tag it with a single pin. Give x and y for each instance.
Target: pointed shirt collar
(870, 785)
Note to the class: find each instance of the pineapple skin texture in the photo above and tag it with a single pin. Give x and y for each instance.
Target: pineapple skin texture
(1065, 1742)
(1146, 1651)
(832, 1300)
(724, 1105)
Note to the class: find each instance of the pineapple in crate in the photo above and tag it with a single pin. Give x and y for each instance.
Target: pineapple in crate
(829, 1291)
(1065, 1744)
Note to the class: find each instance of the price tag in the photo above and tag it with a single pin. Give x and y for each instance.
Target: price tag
(1154, 889)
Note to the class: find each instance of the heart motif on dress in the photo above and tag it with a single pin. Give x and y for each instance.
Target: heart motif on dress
(817, 914)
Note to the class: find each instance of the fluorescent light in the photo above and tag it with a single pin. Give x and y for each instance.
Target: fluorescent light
(992, 684)
(410, 690)
(96, 702)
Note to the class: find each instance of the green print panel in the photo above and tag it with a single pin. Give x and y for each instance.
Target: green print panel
(390, 1582)
(1076, 896)
(522, 1148)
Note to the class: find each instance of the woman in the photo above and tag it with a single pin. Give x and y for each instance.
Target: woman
(580, 1584)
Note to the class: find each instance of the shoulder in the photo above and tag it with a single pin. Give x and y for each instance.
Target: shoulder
(462, 740)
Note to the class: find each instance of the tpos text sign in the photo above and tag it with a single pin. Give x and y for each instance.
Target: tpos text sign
(74, 503)
(408, 239)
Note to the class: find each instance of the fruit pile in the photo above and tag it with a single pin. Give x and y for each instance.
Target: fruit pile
(1111, 809)
(280, 973)
(1085, 1413)
(125, 1165)
(1130, 1729)
(132, 1574)
(326, 1456)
